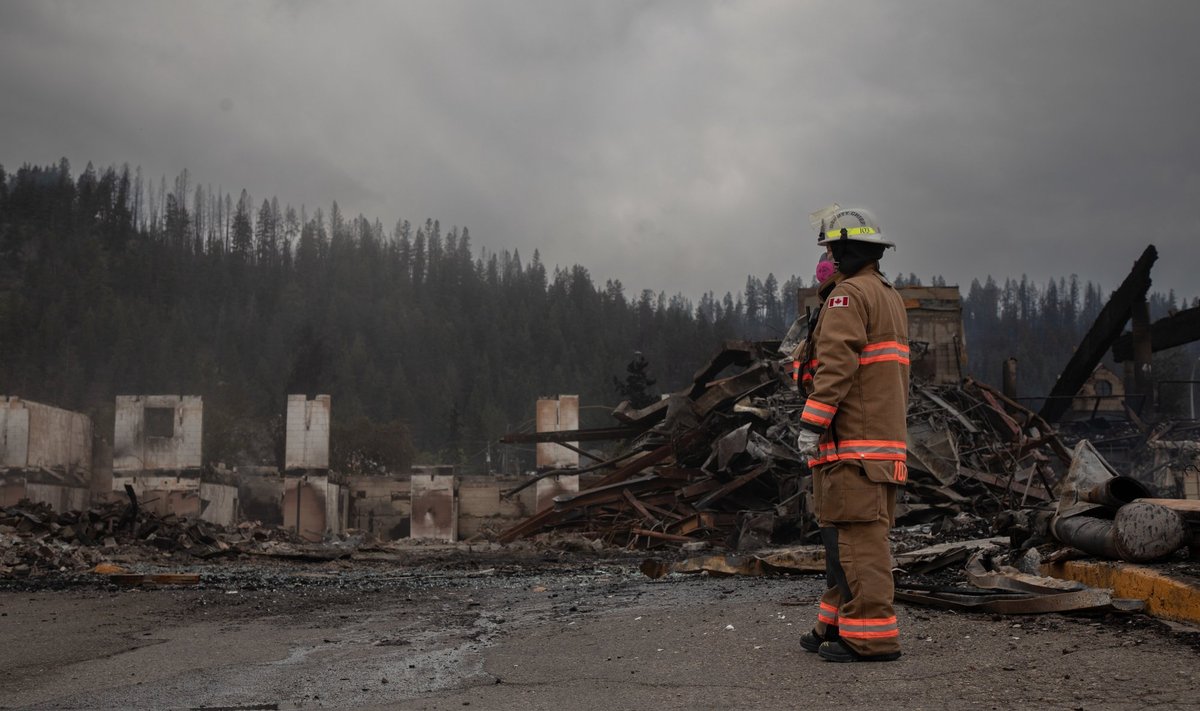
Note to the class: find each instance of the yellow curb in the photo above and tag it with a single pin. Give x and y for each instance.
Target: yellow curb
(1165, 597)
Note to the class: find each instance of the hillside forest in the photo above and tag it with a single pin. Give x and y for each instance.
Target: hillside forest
(431, 348)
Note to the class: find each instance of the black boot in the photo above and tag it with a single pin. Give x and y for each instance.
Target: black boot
(835, 651)
(811, 641)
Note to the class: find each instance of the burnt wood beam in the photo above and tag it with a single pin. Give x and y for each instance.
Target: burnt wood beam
(1100, 336)
(560, 436)
(1168, 332)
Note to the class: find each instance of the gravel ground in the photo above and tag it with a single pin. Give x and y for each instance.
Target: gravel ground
(542, 630)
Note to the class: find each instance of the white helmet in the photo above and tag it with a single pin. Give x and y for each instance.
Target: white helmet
(848, 223)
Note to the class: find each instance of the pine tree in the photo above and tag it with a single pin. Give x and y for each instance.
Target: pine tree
(636, 386)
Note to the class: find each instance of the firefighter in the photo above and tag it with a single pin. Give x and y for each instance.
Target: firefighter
(852, 432)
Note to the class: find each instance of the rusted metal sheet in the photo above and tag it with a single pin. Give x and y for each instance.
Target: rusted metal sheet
(1010, 603)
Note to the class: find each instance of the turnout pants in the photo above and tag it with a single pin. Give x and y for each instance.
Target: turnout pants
(855, 509)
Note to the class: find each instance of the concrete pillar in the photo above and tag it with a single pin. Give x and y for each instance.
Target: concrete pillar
(306, 440)
(556, 415)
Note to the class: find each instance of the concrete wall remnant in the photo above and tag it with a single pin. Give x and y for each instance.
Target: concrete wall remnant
(434, 508)
(260, 495)
(45, 455)
(177, 493)
(157, 432)
(556, 415)
(304, 507)
(313, 506)
(381, 506)
(307, 435)
(433, 469)
(482, 510)
(156, 450)
(37, 436)
(219, 503)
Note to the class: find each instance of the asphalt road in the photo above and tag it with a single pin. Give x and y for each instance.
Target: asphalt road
(546, 633)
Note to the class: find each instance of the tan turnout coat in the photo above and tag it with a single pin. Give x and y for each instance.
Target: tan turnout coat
(856, 376)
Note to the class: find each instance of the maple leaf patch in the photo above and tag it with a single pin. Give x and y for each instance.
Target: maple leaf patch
(835, 302)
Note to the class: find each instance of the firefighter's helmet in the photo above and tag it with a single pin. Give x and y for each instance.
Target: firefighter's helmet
(854, 224)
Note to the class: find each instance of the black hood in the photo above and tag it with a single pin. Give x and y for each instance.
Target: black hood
(851, 255)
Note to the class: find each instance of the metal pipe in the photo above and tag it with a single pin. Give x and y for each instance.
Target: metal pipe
(1090, 535)
(1140, 533)
(1116, 492)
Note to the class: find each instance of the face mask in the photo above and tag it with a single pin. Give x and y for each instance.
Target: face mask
(825, 269)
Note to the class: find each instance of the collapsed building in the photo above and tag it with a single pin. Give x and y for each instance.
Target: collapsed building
(711, 465)
(51, 459)
(714, 464)
(157, 453)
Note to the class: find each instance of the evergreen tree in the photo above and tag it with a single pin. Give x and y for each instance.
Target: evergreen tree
(112, 284)
(636, 386)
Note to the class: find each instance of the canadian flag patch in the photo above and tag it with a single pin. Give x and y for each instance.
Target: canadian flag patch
(837, 301)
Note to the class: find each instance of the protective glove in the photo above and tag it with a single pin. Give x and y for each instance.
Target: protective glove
(806, 444)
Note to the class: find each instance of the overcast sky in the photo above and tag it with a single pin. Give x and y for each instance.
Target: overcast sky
(672, 145)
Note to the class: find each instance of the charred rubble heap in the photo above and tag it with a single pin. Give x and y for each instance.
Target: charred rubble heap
(716, 463)
(35, 540)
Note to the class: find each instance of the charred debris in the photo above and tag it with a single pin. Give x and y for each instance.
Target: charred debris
(708, 478)
(36, 540)
(991, 481)
(715, 465)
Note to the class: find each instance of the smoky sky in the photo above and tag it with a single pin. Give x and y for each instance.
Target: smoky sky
(677, 146)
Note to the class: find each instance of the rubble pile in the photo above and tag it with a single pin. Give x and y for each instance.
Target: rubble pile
(716, 463)
(971, 448)
(712, 463)
(34, 539)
